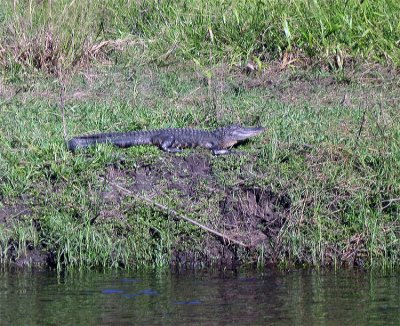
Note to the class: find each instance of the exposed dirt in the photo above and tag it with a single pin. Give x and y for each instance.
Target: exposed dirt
(12, 212)
(250, 215)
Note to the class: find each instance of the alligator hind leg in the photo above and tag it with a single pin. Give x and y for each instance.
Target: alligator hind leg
(166, 145)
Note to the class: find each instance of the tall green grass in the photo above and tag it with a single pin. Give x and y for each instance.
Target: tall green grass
(49, 34)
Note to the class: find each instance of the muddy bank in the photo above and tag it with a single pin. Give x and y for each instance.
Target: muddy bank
(250, 218)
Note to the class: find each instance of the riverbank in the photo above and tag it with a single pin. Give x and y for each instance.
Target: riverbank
(319, 187)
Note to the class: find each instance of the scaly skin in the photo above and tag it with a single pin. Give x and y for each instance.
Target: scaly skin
(219, 141)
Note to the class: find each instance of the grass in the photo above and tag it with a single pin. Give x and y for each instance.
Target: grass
(54, 36)
(343, 185)
(331, 144)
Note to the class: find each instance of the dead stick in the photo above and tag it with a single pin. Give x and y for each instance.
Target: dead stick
(180, 216)
(390, 202)
(361, 128)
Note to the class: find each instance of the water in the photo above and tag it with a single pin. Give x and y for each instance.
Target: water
(269, 298)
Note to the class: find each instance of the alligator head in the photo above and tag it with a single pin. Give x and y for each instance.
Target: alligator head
(233, 134)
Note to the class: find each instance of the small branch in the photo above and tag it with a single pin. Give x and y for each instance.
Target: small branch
(18, 214)
(390, 202)
(170, 211)
(361, 128)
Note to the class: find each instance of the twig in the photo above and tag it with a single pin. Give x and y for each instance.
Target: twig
(18, 214)
(361, 128)
(390, 202)
(180, 216)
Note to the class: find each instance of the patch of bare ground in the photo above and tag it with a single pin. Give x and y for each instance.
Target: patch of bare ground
(240, 219)
(9, 213)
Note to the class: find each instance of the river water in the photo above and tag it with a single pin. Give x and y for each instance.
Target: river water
(201, 298)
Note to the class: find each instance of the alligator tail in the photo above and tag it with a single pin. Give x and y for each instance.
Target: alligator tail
(123, 139)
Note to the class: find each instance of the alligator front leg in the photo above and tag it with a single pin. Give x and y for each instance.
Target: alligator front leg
(166, 145)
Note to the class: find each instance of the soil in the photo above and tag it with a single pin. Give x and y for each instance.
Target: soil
(250, 215)
(10, 213)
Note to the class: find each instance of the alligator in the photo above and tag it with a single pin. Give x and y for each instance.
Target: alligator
(219, 141)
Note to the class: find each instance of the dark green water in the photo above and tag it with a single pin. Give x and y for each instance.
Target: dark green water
(112, 298)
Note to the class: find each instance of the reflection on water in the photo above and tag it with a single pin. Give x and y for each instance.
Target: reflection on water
(113, 298)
